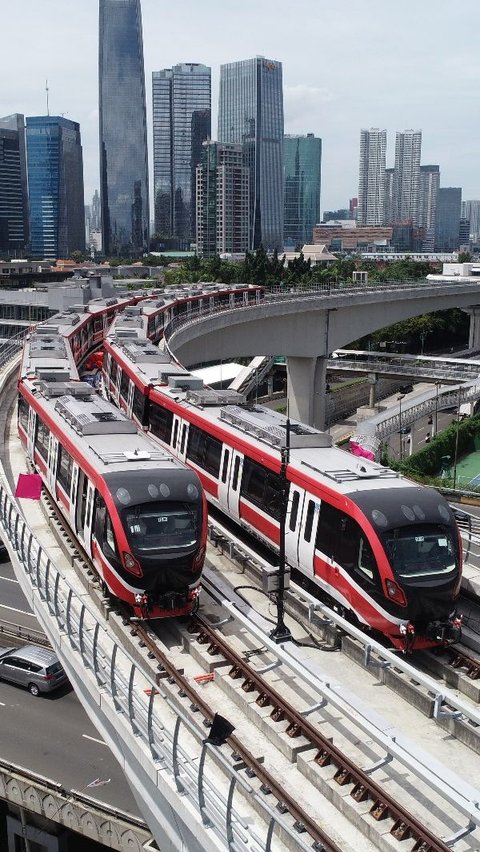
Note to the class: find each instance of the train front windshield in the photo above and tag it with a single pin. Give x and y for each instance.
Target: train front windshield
(154, 527)
(417, 552)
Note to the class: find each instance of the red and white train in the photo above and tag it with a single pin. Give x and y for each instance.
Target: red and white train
(381, 548)
(137, 511)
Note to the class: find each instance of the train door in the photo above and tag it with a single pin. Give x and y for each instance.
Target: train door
(182, 439)
(300, 529)
(84, 509)
(52, 463)
(234, 482)
(32, 422)
(176, 434)
(131, 391)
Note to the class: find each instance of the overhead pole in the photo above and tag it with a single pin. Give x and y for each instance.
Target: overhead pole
(281, 632)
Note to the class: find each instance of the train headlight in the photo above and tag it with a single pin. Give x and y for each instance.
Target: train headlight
(395, 593)
(131, 564)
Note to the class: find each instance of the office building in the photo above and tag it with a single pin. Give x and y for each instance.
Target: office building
(429, 186)
(471, 211)
(55, 185)
(251, 113)
(371, 181)
(14, 217)
(123, 129)
(447, 220)
(222, 200)
(464, 232)
(406, 177)
(181, 123)
(303, 164)
(349, 237)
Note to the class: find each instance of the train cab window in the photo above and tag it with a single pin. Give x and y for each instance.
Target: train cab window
(104, 528)
(236, 470)
(138, 408)
(294, 511)
(42, 438)
(226, 458)
(204, 450)
(262, 487)
(341, 539)
(161, 421)
(23, 412)
(65, 466)
(124, 385)
(309, 520)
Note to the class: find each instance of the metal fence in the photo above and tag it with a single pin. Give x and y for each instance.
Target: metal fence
(235, 811)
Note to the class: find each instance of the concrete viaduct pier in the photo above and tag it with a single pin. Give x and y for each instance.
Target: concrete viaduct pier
(306, 327)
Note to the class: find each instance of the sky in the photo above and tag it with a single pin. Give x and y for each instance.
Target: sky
(392, 64)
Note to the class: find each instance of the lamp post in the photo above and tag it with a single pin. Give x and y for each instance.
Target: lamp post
(456, 443)
(399, 398)
(423, 335)
(280, 632)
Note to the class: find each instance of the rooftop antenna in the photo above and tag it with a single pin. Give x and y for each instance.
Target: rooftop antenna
(46, 91)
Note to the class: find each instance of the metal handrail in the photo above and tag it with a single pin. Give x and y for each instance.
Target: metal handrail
(132, 689)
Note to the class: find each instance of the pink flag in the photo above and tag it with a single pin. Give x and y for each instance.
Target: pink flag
(357, 450)
(29, 485)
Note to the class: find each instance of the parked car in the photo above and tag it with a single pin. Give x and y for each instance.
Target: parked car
(37, 669)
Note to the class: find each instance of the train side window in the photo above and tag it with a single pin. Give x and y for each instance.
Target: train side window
(42, 438)
(113, 370)
(138, 407)
(204, 450)
(309, 520)
(65, 467)
(175, 434)
(262, 487)
(226, 458)
(294, 510)
(161, 422)
(236, 470)
(23, 412)
(124, 385)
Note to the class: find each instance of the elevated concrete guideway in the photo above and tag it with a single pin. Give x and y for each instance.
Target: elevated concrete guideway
(307, 326)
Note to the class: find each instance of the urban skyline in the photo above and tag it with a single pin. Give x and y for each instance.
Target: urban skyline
(319, 96)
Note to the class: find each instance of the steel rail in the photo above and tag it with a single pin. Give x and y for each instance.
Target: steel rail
(303, 821)
(405, 825)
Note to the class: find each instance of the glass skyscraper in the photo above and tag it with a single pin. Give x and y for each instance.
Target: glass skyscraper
(55, 185)
(181, 123)
(303, 162)
(14, 224)
(447, 218)
(251, 113)
(123, 129)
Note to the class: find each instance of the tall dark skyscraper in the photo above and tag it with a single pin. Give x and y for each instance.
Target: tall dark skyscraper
(303, 161)
(447, 218)
(251, 113)
(181, 123)
(14, 223)
(55, 185)
(123, 129)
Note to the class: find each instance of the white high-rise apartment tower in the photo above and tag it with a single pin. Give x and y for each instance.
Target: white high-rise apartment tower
(406, 177)
(371, 183)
